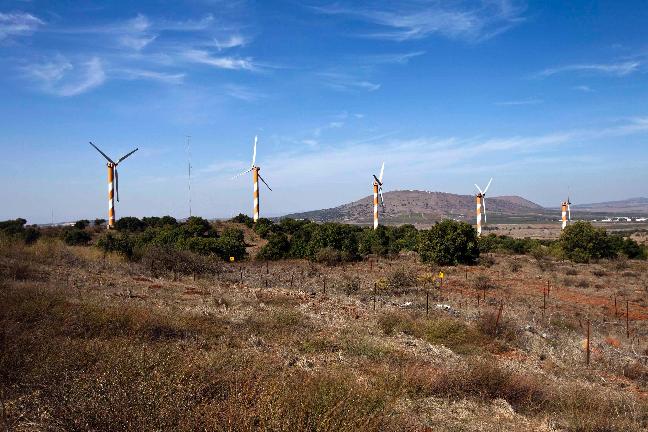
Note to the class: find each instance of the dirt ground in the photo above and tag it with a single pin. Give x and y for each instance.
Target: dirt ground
(538, 312)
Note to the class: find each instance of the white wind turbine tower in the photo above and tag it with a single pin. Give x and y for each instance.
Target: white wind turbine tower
(481, 205)
(112, 175)
(566, 212)
(377, 190)
(255, 178)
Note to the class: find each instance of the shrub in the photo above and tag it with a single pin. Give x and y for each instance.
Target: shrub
(328, 256)
(399, 279)
(116, 242)
(159, 260)
(244, 219)
(76, 237)
(31, 235)
(350, 284)
(82, 224)
(99, 222)
(449, 243)
(277, 248)
(129, 223)
(582, 242)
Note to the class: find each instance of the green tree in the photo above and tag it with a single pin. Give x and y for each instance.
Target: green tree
(582, 242)
(129, 223)
(449, 243)
(81, 224)
(76, 237)
(277, 248)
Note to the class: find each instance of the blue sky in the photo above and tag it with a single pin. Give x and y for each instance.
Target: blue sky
(540, 95)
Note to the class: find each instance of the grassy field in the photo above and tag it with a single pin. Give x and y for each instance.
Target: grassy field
(92, 342)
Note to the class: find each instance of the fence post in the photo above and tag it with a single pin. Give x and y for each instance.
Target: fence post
(587, 345)
(374, 297)
(627, 319)
(499, 315)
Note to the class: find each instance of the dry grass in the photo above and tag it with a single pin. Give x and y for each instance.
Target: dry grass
(77, 353)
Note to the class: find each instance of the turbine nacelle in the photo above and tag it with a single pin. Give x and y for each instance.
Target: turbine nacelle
(113, 164)
(482, 195)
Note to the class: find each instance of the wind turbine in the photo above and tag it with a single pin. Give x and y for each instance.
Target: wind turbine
(377, 190)
(481, 205)
(566, 212)
(112, 174)
(255, 178)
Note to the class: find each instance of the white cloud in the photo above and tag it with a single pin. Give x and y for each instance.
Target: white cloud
(18, 24)
(136, 42)
(63, 78)
(584, 88)
(224, 62)
(407, 20)
(168, 78)
(346, 82)
(616, 69)
(232, 41)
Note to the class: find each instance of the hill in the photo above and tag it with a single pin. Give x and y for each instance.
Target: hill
(420, 208)
(630, 205)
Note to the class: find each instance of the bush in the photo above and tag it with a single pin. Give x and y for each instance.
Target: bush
(116, 242)
(76, 237)
(159, 260)
(449, 243)
(277, 248)
(99, 222)
(82, 224)
(244, 219)
(399, 280)
(582, 242)
(129, 223)
(328, 256)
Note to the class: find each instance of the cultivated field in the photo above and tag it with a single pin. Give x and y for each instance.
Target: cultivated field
(92, 342)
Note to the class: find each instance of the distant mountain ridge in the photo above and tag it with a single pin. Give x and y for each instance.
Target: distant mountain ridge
(631, 205)
(414, 206)
(424, 208)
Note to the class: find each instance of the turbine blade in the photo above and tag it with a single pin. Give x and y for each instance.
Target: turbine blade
(376, 178)
(254, 153)
(240, 174)
(126, 155)
(382, 200)
(382, 171)
(568, 210)
(488, 185)
(102, 153)
(479, 189)
(264, 182)
(484, 207)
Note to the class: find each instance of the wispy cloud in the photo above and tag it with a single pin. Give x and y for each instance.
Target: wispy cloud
(135, 74)
(615, 69)
(63, 78)
(232, 41)
(243, 93)
(584, 88)
(18, 24)
(221, 62)
(400, 58)
(520, 102)
(346, 82)
(407, 20)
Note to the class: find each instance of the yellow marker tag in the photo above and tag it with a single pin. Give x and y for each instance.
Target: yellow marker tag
(441, 275)
(231, 259)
